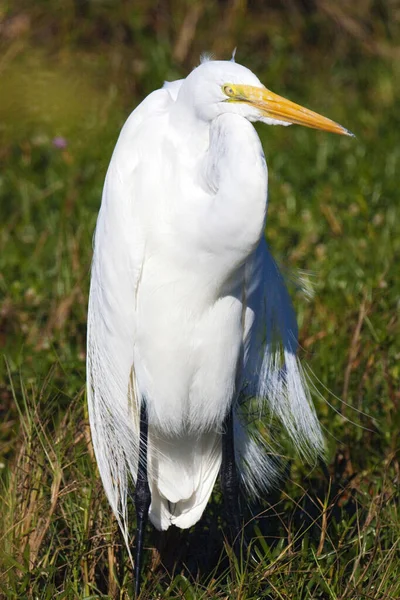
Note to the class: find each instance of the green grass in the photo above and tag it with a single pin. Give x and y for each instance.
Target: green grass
(334, 215)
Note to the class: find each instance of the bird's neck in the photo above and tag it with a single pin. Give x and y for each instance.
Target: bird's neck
(191, 133)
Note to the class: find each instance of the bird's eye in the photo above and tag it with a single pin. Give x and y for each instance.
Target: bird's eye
(228, 90)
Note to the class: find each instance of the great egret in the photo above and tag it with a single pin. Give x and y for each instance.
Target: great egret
(188, 313)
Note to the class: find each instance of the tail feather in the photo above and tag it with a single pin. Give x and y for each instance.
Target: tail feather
(257, 462)
(274, 385)
(182, 473)
(281, 382)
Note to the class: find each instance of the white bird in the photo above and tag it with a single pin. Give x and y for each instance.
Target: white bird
(189, 318)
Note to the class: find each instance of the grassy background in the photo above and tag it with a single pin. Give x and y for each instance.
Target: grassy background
(76, 69)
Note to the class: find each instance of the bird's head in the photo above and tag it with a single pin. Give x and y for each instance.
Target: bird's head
(218, 87)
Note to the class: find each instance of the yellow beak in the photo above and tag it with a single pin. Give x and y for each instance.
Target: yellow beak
(276, 107)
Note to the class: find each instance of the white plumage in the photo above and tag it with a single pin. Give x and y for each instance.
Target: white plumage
(187, 308)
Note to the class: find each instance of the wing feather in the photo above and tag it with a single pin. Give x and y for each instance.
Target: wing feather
(119, 250)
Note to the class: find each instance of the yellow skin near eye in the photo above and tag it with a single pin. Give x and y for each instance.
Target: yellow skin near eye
(228, 90)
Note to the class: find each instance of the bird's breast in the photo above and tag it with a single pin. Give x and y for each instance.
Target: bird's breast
(187, 346)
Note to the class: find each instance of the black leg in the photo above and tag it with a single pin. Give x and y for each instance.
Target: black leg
(142, 495)
(230, 484)
(324, 468)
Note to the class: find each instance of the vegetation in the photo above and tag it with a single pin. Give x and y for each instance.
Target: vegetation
(70, 74)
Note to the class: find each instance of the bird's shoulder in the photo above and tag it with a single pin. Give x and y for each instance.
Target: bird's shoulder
(152, 108)
(140, 133)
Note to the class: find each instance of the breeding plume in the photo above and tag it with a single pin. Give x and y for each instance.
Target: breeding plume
(190, 325)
